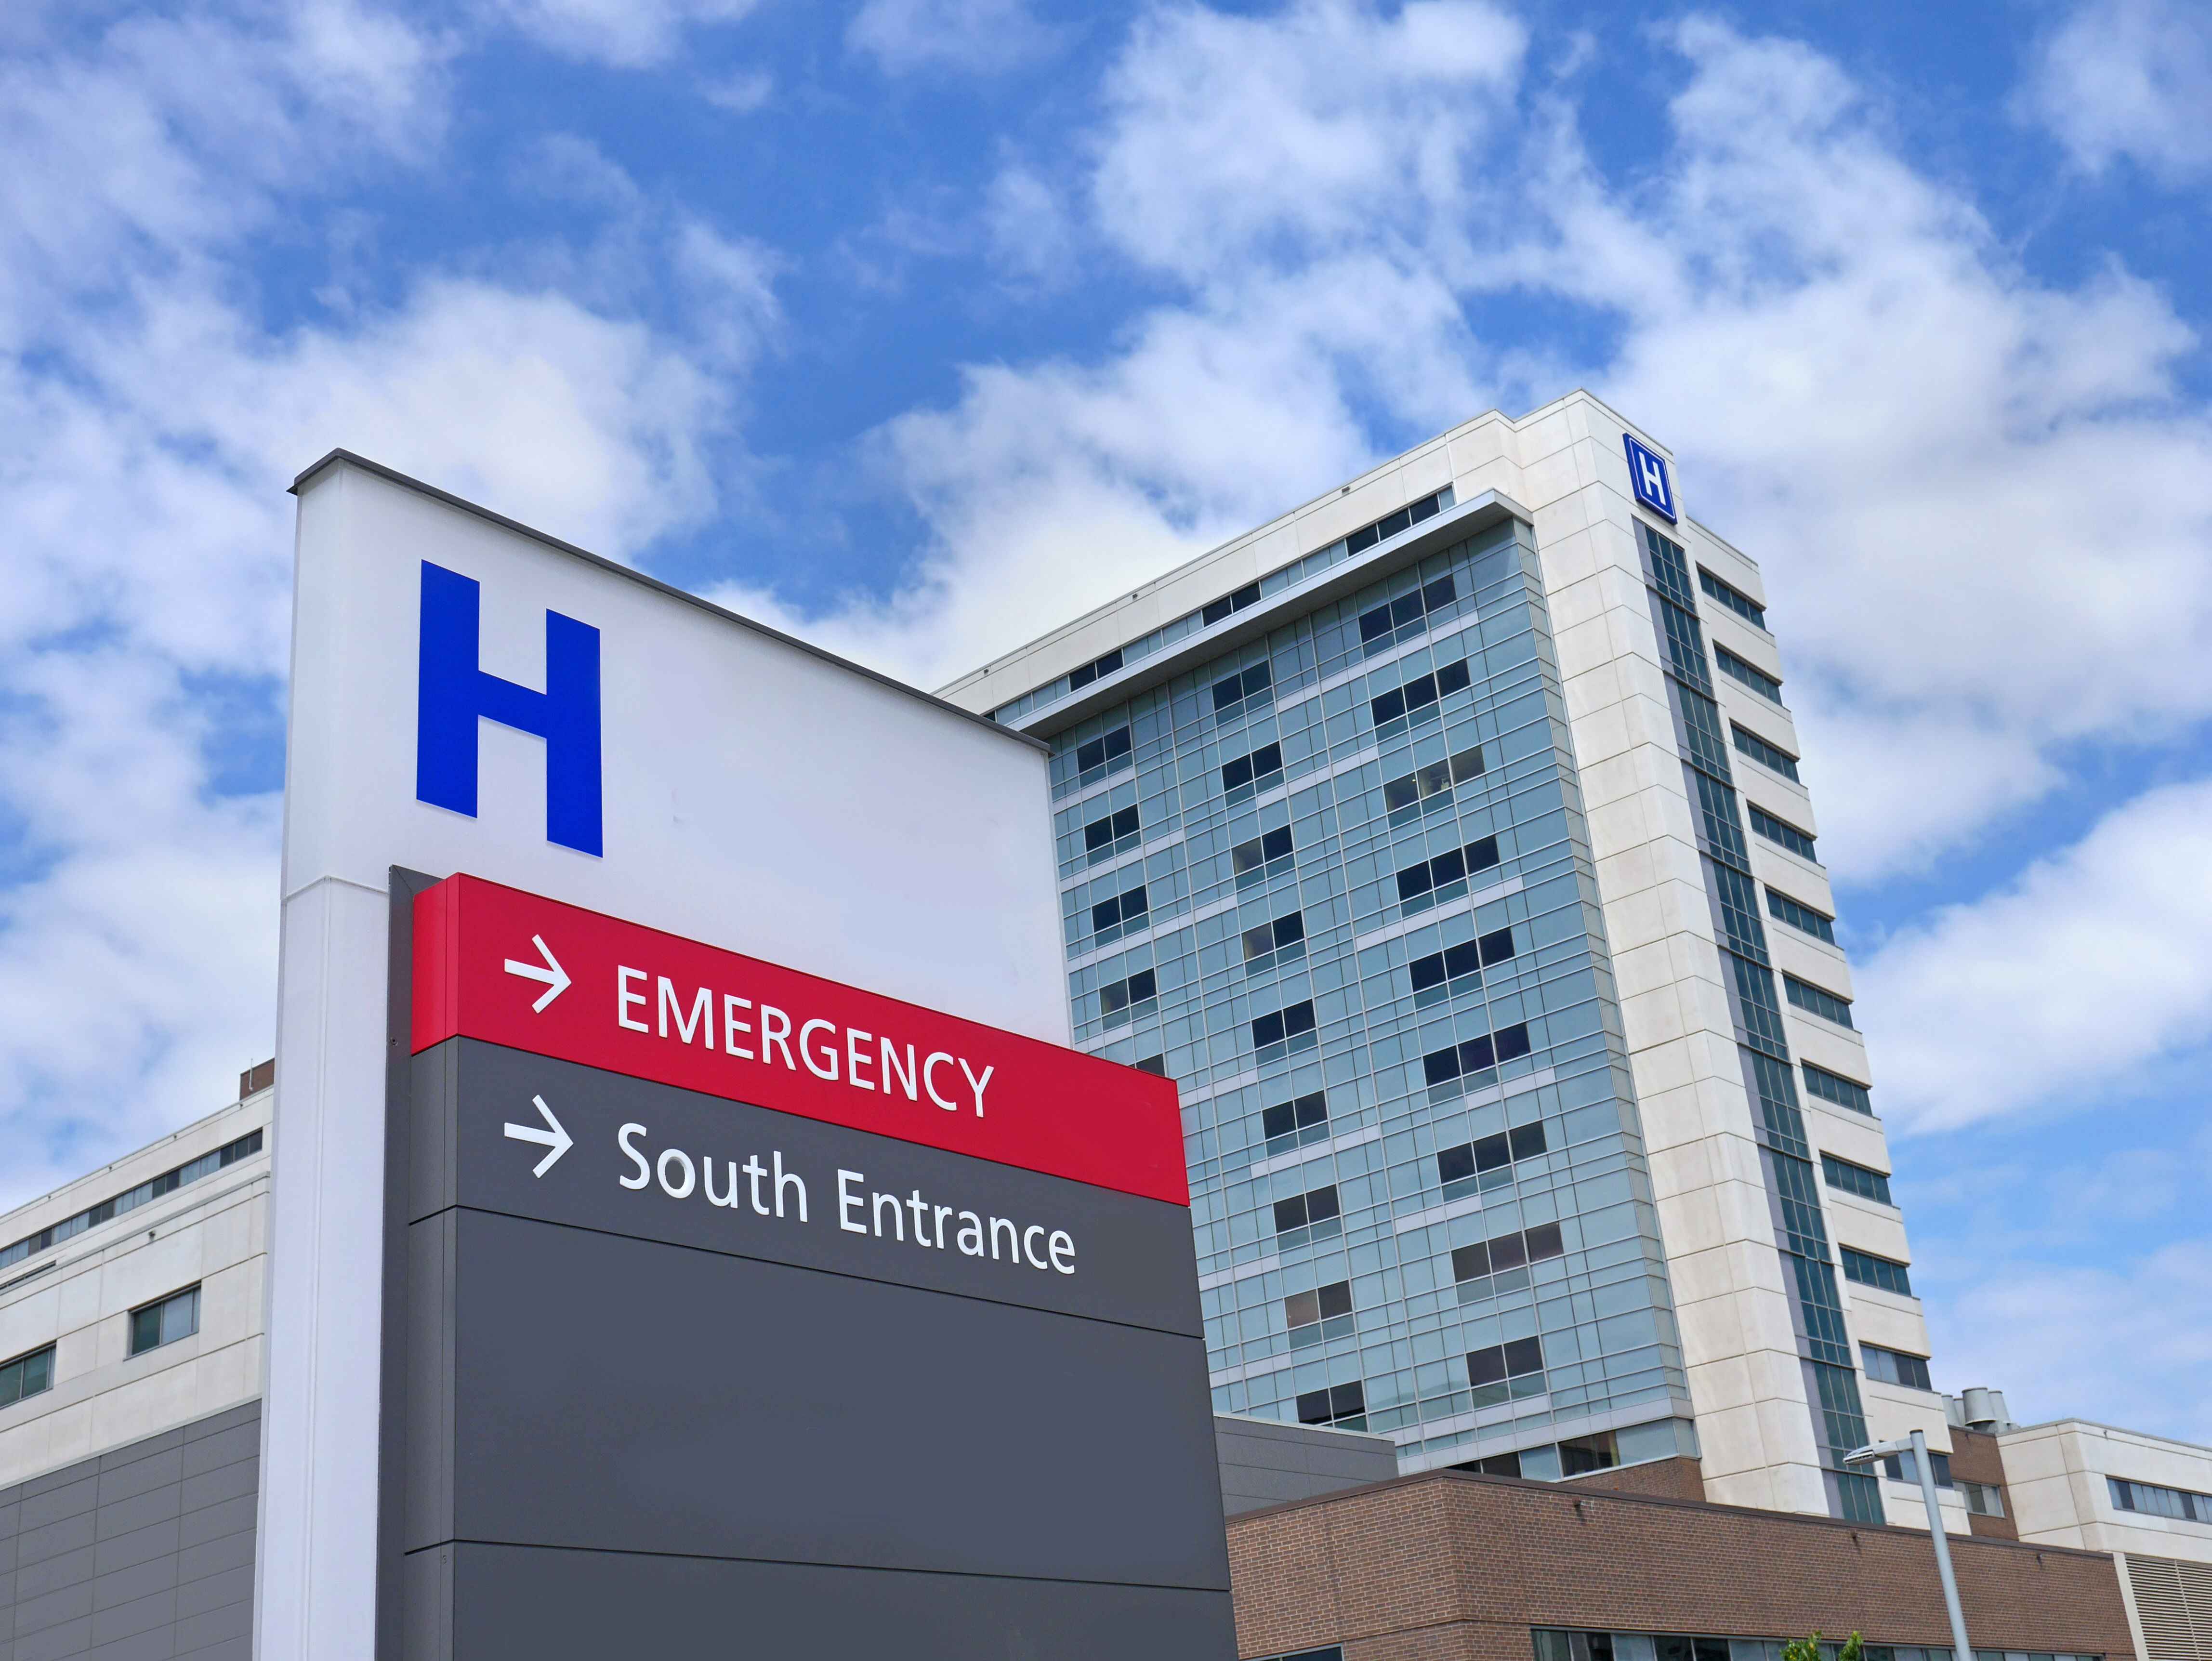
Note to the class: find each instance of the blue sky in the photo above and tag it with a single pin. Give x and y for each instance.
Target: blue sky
(916, 324)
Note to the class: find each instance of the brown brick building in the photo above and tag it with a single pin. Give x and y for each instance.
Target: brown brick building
(1448, 1566)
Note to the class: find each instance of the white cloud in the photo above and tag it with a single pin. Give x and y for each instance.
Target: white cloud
(740, 93)
(620, 33)
(172, 134)
(144, 583)
(2128, 77)
(1294, 138)
(978, 37)
(2128, 1344)
(1951, 470)
(2093, 963)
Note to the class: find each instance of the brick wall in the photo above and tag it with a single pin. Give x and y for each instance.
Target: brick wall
(1976, 1458)
(1451, 1567)
(1671, 1479)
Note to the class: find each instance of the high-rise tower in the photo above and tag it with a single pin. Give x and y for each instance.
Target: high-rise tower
(1444, 840)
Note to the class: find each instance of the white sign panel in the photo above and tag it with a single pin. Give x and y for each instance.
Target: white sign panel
(467, 696)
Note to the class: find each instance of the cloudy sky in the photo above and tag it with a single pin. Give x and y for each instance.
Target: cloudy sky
(914, 324)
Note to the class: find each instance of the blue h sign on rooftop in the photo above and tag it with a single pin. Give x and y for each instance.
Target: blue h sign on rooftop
(1647, 473)
(454, 693)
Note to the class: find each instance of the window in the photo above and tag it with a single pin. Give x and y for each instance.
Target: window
(1116, 833)
(1406, 615)
(1782, 834)
(1118, 1001)
(1766, 755)
(1128, 910)
(1253, 772)
(1750, 674)
(1982, 1499)
(1506, 1370)
(1334, 1652)
(177, 1316)
(1880, 1272)
(1293, 1123)
(1817, 1001)
(1428, 788)
(26, 1375)
(1155, 1065)
(1856, 1179)
(1451, 968)
(1800, 916)
(244, 1147)
(1390, 524)
(1276, 942)
(1903, 1468)
(1305, 1210)
(1481, 1164)
(1230, 695)
(1215, 611)
(1091, 671)
(1579, 1455)
(1441, 1066)
(1507, 1252)
(1835, 1087)
(1293, 1026)
(1444, 878)
(1894, 1367)
(2153, 1501)
(1107, 753)
(1322, 1313)
(1420, 693)
(1339, 1404)
(1734, 599)
(1262, 857)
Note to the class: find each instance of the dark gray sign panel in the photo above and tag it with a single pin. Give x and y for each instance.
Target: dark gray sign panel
(680, 1375)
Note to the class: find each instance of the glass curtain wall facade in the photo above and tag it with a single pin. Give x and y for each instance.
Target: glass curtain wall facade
(1785, 1153)
(1336, 883)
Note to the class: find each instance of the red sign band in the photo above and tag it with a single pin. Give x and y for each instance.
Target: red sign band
(518, 970)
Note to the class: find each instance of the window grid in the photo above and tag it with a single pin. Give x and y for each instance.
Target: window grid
(1800, 916)
(1770, 757)
(1749, 674)
(1332, 850)
(1880, 1272)
(26, 1375)
(1782, 833)
(1856, 1179)
(1358, 541)
(1834, 1087)
(1802, 1234)
(1817, 1001)
(243, 1147)
(1733, 597)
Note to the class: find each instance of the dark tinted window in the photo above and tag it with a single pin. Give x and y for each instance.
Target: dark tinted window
(1287, 1116)
(1120, 911)
(1101, 750)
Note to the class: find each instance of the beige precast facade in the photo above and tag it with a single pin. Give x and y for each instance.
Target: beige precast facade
(77, 1296)
(2059, 1481)
(1564, 467)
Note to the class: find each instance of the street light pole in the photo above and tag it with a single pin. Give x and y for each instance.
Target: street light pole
(1917, 1444)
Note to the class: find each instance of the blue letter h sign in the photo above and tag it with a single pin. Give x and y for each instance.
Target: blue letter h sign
(454, 693)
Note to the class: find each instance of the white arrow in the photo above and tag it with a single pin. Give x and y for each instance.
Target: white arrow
(555, 977)
(559, 1140)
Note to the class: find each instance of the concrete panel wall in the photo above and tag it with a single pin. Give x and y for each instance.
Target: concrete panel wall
(143, 1554)
(1267, 1463)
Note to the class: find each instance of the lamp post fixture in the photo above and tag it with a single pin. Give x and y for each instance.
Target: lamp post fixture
(1917, 1445)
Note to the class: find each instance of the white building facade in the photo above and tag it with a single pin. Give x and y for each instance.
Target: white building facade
(2147, 1499)
(131, 1300)
(1477, 771)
